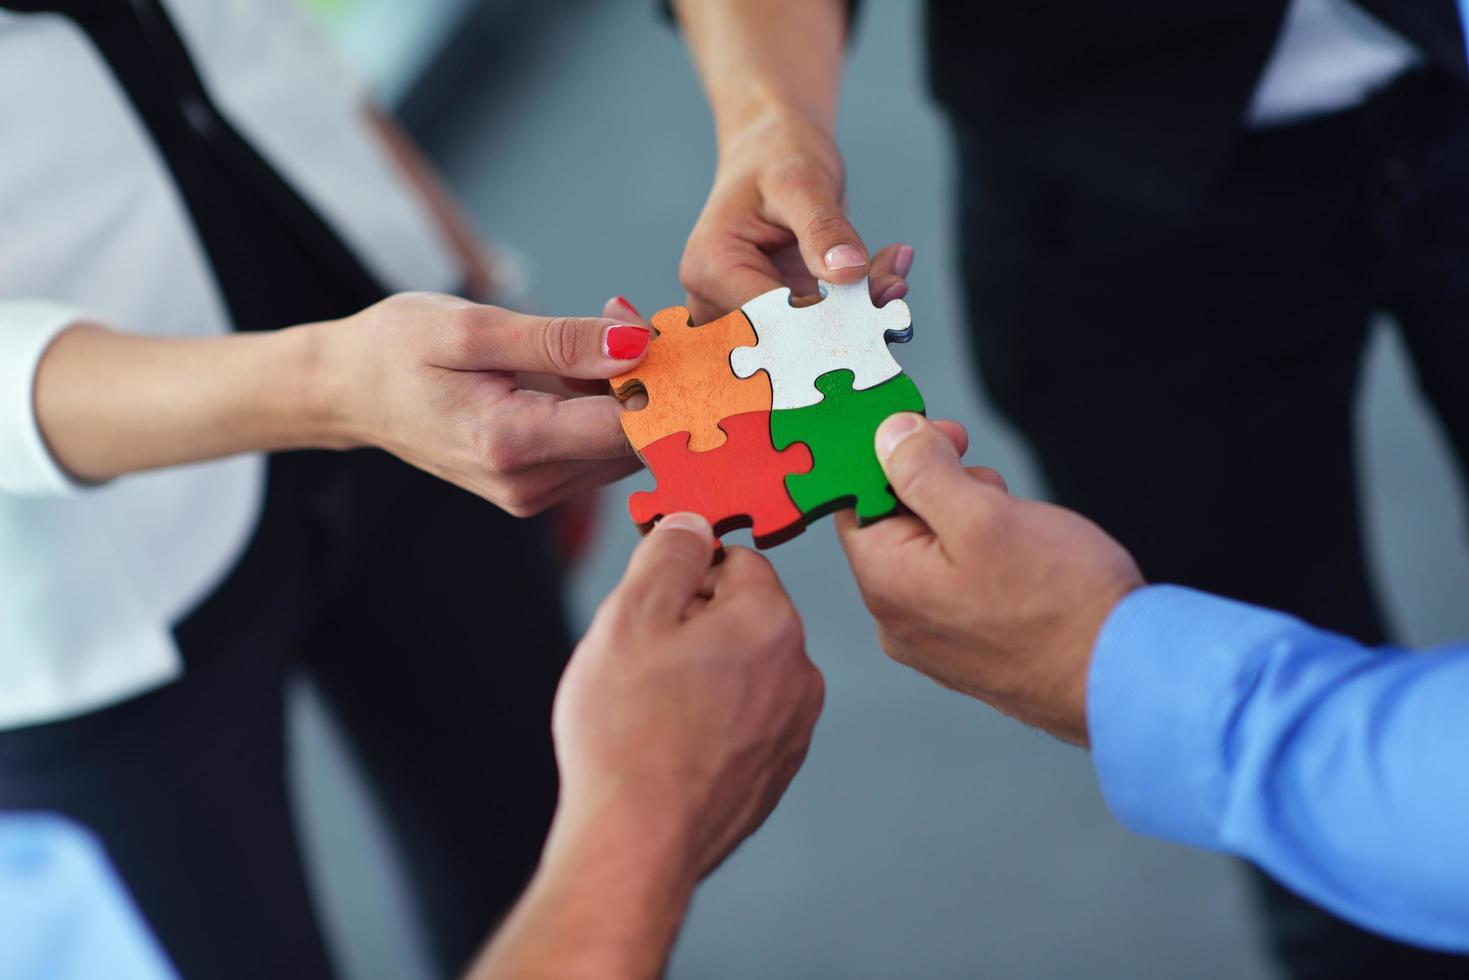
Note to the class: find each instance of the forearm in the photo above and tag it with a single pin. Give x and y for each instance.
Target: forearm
(1337, 769)
(606, 904)
(110, 403)
(762, 57)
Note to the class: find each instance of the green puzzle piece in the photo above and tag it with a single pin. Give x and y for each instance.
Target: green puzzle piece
(839, 431)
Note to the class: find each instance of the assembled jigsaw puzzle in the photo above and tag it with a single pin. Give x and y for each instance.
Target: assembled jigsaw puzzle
(765, 417)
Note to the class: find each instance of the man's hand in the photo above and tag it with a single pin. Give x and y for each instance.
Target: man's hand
(683, 716)
(500, 403)
(998, 598)
(775, 217)
(690, 702)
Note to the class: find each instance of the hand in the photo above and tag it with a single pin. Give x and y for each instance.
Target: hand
(998, 598)
(681, 719)
(775, 217)
(452, 387)
(688, 707)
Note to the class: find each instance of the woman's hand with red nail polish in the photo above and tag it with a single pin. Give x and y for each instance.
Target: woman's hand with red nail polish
(513, 407)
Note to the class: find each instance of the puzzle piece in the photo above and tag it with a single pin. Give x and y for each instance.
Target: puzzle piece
(739, 484)
(689, 384)
(839, 431)
(797, 345)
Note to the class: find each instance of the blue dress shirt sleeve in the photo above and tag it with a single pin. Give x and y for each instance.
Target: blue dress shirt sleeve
(1341, 771)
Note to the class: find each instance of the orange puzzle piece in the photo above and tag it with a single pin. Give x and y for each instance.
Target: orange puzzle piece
(688, 380)
(738, 484)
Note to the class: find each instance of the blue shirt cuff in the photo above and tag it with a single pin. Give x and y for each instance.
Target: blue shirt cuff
(1167, 672)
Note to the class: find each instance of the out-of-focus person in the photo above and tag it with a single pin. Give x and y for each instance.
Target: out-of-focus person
(204, 223)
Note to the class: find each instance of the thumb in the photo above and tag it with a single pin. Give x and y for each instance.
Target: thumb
(808, 202)
(924, 470)
(668, 567)
(492, 339)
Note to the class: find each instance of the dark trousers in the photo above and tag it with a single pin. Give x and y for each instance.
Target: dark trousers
(431, 622)
(1188, 381)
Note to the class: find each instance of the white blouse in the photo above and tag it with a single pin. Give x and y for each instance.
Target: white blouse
(91, 578)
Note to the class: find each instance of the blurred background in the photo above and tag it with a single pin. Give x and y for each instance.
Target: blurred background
(927, 836)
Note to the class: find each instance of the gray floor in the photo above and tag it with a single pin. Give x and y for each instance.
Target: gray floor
(926, 837)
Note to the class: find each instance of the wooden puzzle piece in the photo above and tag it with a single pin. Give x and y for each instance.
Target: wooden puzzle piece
(739, 484)
(797, 345)
(688, 380)
(839, 431)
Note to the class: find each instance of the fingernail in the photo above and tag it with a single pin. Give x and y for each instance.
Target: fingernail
(627, 305)
(625, 341)
(844, 257)
(686, 521)
(903, 264)
(894, 429)
(896, 291)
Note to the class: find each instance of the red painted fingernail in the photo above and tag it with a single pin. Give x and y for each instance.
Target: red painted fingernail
(625, 341)
(627, 305)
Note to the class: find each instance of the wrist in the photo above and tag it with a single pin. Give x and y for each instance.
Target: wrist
(761, 110)
(1067, 701)
(617, 875)
(314, 388)
(623, 831)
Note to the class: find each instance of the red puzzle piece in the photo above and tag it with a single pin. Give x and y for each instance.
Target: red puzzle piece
(739, 484)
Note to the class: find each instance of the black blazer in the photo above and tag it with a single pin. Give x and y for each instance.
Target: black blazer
(1141, 98)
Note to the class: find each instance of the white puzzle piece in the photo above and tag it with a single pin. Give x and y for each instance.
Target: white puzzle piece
(797, 345)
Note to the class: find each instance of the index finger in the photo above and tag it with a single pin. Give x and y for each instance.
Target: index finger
(716, 294)
(548, 429)
(720, 269)
(741, 571)
(872, 549)
(620, 308)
